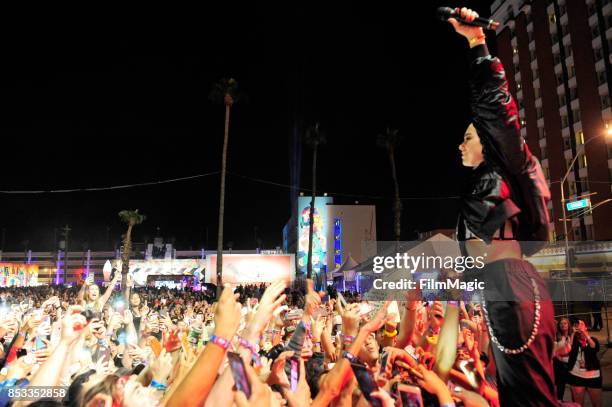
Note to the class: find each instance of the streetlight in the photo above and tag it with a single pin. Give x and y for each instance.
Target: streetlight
(569, 169)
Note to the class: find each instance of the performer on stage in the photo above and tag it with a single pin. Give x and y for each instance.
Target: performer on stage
(517, 308)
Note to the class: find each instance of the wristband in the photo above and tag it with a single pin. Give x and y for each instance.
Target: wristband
(223, 343)
(351, 358)
(8, 383)
(453, 303)
(157, 385)
(254, 355)
(347, 338)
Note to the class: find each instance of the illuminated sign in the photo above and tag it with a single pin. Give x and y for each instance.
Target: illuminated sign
(319, 234)
(337, 243)
(18, 275)
(583, 203)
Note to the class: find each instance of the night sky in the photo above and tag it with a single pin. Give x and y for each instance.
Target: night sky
(112, 97)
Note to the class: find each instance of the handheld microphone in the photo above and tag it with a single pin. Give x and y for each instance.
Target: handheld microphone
(444, 13)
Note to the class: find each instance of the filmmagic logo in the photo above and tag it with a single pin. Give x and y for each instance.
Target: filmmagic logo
(429, 284)
(415, 263)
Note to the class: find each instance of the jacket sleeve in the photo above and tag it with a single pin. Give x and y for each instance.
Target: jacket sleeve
(495, 114)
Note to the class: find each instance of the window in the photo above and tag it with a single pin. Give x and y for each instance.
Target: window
(557, 58)
(517, 68)
(541, 133)
(535, 74)
(554, 37)
(591, 9)
(589, 232)
(564, 30)
(573, 93)
(576, 115)
(536, 92)
(540, 112)
(530, 35)
(561, 9)
(584, 161)
(543, 155)
(559, 79)
(571, 71)
(605, 101)
(584, 184)
(580, 137)
(532, 55)
(566, 146)
(608, 21)
(564, 121)
(568, 50)
(597, 54)
(562, 100)
(601, 77)
(594, 32)
(572, 187)
(577, 234)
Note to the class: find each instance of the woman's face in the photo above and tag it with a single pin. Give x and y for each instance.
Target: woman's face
(564, 325)
(94, 292)
(135, 300)
(471, 149)
(136, 395)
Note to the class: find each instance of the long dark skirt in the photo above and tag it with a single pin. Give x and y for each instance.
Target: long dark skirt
(527, 378)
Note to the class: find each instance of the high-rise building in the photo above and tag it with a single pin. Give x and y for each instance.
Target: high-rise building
(556, 54)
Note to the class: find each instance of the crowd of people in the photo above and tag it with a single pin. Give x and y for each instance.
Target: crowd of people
(256, 346)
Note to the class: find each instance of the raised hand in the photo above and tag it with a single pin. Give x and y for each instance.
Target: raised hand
(161, 367)
(470, 32)
(73, 324)
(227, 314)
(272, 298)
(261, 394)
(277, 372)
(301, 396)
(312, 301)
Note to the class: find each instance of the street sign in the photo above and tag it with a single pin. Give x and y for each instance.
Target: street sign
(583, 203)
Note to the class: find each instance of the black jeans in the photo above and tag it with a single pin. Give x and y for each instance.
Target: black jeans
(527, 378)
(561, 372)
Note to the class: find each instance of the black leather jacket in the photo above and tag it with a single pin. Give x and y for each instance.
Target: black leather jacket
(490, 199)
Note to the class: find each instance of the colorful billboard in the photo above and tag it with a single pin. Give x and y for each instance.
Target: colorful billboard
(142, 269)
(251, 268)
(319, 234)
(18, 275)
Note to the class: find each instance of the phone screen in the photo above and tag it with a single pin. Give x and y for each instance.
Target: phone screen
(295, 373)
(39, 344)
(410, 395)
(366, 383)
(239, 373)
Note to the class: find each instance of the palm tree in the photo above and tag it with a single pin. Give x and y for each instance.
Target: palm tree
(389, 141)
(132, 218)
(225, 91)
(314, 138)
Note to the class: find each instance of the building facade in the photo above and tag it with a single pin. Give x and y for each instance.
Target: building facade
(556, 55)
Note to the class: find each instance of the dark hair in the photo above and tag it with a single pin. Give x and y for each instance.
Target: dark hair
(106, 386)
(73, 396)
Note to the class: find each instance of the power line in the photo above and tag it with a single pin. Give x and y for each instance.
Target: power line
(109, 188)
(287, 186)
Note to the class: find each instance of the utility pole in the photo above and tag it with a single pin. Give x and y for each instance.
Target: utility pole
(66, 235)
